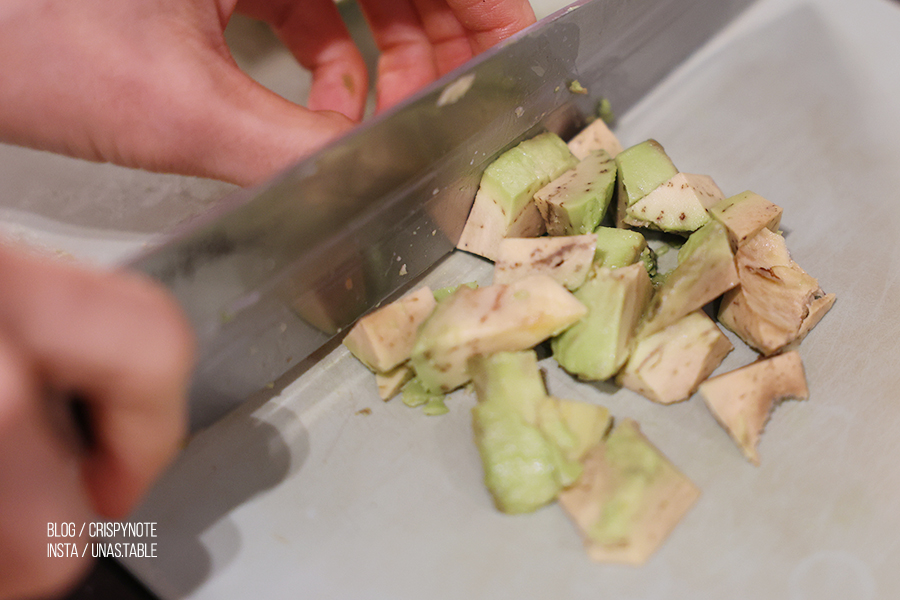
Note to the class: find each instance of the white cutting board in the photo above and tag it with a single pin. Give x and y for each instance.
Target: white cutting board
(303, 496)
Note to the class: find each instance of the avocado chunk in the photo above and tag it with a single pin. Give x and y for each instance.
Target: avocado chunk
(567, 259)
(597, 346)
(777, 302)
(522, 437)
(494, 318)
(669, 365)
(618, 247)
(641, 169)
(415, 394)
(384, 338)
(677, 206)
(742, 400)
(629, 498)
(596, 136)
(705, 271)
(504, 204)
(744, 215)
(576, 201)
(391, 382)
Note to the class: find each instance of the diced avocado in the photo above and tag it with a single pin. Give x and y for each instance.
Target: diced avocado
(596, 136)
(641, 169)
(588, 423)
(383, 339)
(629, 498)
(415, 394)
(435, 407)
(705, 271)
(489, 319)
(597, 346)
(668, 366)
(504, 205)
(618, 247)
(648, 258)
(567, 259)
(576, 201)
(777, 302)
(744, 215)
(391, 382)
(677, 206)
(524, 465)
(742, 400)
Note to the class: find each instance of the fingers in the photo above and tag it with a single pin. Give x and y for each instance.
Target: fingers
(491, 21)
(448, 38)
(154, 89)
(406, 61)
(122, 345)
(39, 484)
(421, 40)
(316, 35)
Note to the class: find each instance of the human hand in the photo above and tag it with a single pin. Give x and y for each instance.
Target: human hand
(151, 83)
(122, 345)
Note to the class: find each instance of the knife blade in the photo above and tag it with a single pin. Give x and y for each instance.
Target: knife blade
(273, 273)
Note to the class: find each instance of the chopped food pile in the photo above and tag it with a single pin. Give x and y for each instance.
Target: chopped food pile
(567, 227)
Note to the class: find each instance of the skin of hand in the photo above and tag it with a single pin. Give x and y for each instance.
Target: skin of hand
(122, 344)
(151, 83)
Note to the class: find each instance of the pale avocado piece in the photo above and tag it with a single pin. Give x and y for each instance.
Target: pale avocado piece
(391, 382)
(705, 271)
(518, 433)
(668, 366)
(597, 346)
(596, 136)
(383, 339)
(746, 214)
(743, 400)
(618, 247)
(643, 168)
(629, 498)
(575, 202)
(777, 302)
(494, 318)
(567, 259)
(504, 204)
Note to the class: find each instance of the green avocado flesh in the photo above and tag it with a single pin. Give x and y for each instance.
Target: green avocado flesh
(642, 169)
(520, 433)
(705, 271)
(513, 178)
(575, 202)
(637, 465)
(618, 247)
(596, 347)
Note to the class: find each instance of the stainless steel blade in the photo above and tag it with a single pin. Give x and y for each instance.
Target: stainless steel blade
(277, 271)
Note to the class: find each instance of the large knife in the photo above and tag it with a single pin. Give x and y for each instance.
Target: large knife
(274, 273)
